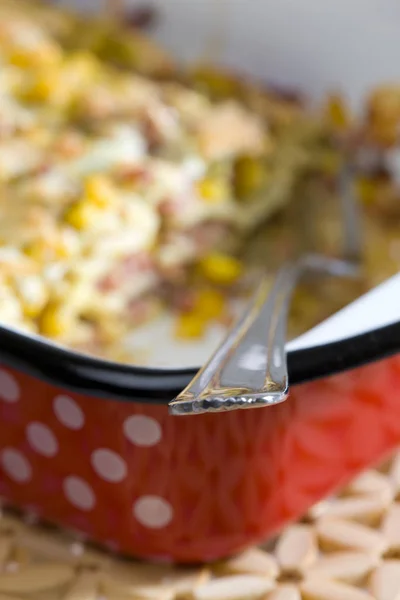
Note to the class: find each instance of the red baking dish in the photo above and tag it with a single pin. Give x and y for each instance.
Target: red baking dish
(89, 444)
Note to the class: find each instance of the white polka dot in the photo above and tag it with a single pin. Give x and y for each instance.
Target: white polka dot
(68, 412)
(153, 511)
(109, 465)
(142, 431)
(42, 439)
(9, 388)
(79, 493)
(16, 465)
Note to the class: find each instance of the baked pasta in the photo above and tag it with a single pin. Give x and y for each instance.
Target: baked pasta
(125, 182)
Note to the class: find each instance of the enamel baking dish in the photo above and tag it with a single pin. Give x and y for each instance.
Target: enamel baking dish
(89, 444)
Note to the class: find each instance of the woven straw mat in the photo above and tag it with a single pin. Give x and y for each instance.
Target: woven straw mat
(347, 548)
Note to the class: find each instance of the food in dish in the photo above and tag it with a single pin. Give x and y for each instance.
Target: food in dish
(128, 185)
(117, 185)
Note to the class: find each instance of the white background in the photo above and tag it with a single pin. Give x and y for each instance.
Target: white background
(316, 44)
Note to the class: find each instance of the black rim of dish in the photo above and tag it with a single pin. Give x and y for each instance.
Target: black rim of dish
(92, 376)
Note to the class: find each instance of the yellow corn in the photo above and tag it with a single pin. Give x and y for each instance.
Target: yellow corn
(60, 83)
(61, 250)
(40, 250)
(31, 310)
(249, 176)
(337, 113)
(189, 326)
(80, 67)
(26, 58)
(213, 189)
(210, 304)
(20, 58)
(54, 320)
(220, 268)
(48, 85)
(79, 215)
(98, 190)
(35, 250)
(44, 87)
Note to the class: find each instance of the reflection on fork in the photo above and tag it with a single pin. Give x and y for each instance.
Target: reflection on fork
(249, 369)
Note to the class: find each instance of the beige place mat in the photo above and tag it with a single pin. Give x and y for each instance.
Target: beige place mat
(347, 548)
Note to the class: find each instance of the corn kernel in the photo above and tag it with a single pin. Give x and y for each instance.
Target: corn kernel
(31, 310)
(24, 58)
(189, 326)
(337, 113)
(40, 250)
(98, 190)
(210, 304)
(61, 250)
(60, 84)
(212, 189)
(43, 88)
(249, 176)
(33, 250)
(220, 268)
(54, 320)
(80, 67)
(79, 215)
(32, 294)
(37, 250)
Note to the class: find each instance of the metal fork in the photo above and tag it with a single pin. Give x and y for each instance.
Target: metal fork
(249, 369)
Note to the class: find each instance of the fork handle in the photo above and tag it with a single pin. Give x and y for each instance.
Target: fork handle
(249, 368)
